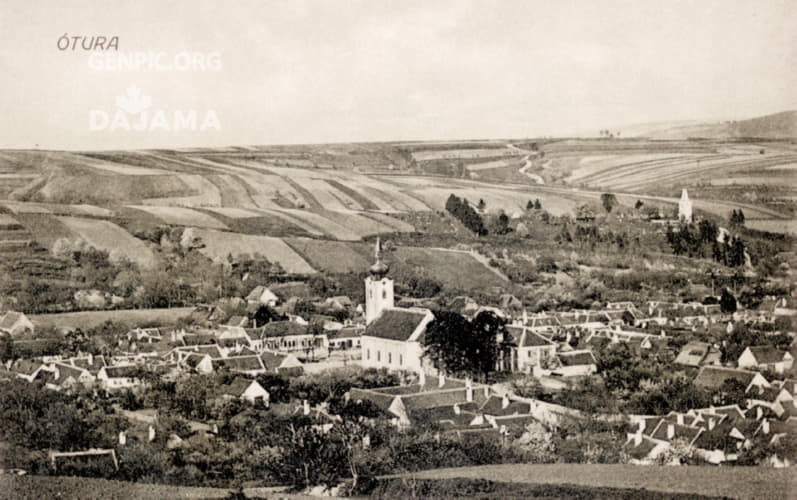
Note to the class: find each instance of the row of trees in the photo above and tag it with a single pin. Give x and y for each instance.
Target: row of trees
(466, 214)
(703, 241)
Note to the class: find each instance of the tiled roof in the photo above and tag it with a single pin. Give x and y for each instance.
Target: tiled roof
(693, 353)
(239, 363)
(766, 354)
(642, 450)
(439, 398)
(125, 371)
(681, 431)
(494, 406)
(281, 329)
(272, 360)
(395, 324)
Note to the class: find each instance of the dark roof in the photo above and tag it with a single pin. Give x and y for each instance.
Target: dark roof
(126, 371)
(272, 360)
(576, 358)
(643, 449)
(395, 324)
(533, 339)
(434, 399)
(236, 387)
(766, 354)
(97, 363)
(712, 377)
(239, 363)
(282, 328)
(681, 431)
(494, 406)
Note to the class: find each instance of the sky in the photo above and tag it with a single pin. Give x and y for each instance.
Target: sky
(296, 71)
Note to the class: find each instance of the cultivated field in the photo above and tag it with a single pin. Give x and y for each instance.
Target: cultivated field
(180, 216)
(104, 235)
(218, 245)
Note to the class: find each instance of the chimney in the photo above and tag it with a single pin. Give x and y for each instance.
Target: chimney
(306, 407)
(151, 433)
(670, 431)
(122, 438)
(56, 374)
(765, 426)
(680, 419)
(468, 390)
(457, 411)
(91, 359)
(441, 380)
(505, 402)
(711, 423)
(758, 413)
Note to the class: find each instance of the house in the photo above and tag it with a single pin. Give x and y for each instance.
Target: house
(530, 349)
(290, 337)
(346, 338)
(281, 363)
(26, 369)
(575, 363)
(394, 339)
(416, 401)
(15, 324)
(60, 376)
(261, 295)
(246, 365)
(146, 335)
(698, 354)
(245, 390)
(119, 377)
(713, 377)
(765, 358)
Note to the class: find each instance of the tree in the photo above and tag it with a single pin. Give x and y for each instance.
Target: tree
(639, 204)
(537, 204)
(529, 205)
(459, 346)
(609, 201)
(481, 204)
(727, 302)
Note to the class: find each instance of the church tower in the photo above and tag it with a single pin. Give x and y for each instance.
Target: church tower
(378, 287)
(685, 207)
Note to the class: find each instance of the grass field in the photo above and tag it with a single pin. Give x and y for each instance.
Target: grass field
(76, 488)
(131, 317)
(731, 482)
(332, 256)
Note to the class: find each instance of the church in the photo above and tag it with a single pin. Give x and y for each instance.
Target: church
(394, 336)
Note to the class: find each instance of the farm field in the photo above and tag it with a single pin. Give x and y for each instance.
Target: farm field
(453, 269)
(463, 153)
(131, 317)
(180, 216)
(331, 256)
(105, 235)
(729, 482)
(219, 244)
(773, 225)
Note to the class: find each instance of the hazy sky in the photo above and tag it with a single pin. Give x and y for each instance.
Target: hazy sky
(335, 71)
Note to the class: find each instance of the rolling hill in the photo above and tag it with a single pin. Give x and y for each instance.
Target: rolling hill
(781, 125)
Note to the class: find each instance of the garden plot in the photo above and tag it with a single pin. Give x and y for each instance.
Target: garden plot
(218, 245)
(104, 235)
(180, 216)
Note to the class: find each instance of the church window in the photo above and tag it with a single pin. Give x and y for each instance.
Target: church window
(379, 355)
(401, 360)
(368, 354)
(389, 357)
(384, 294)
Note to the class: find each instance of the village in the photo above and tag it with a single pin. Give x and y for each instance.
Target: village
(744, 401)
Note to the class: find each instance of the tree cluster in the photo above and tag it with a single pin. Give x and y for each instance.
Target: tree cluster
(466, 214)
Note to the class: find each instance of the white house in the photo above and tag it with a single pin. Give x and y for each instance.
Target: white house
(119, 377)
(531, 349)
(15, 323)
(261, 295)
(765, 357)
(245, 390)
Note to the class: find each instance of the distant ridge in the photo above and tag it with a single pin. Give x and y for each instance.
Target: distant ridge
(781, 125)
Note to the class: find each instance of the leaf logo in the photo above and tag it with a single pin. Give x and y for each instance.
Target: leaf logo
(134, 102)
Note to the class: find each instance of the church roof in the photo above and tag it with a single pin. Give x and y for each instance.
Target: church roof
(396, 324)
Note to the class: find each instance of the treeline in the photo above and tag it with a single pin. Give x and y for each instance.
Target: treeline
(704, 241)
(466, 214)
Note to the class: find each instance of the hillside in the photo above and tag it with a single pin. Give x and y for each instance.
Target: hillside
(781, 125)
